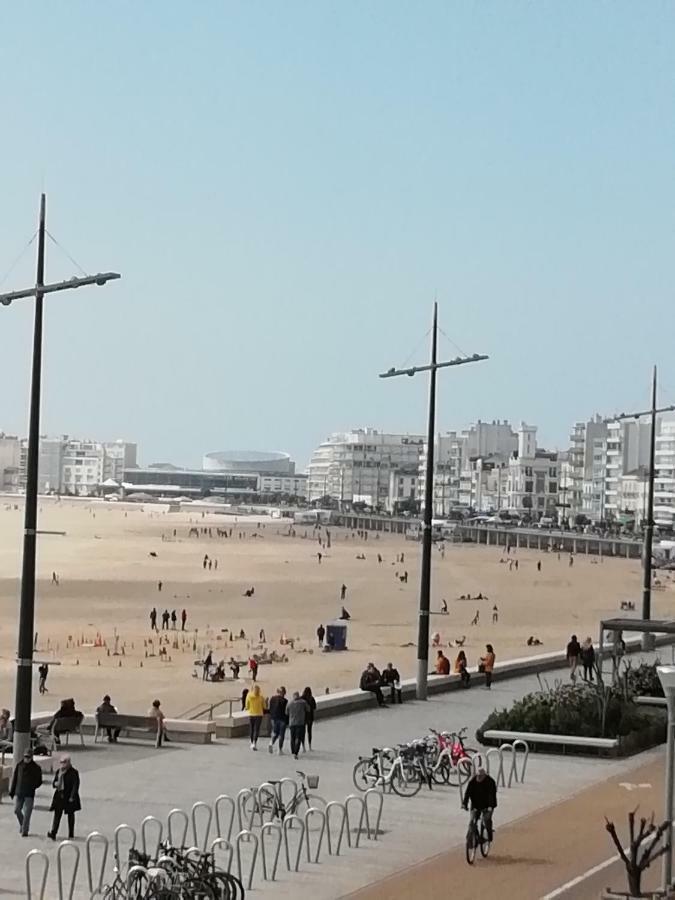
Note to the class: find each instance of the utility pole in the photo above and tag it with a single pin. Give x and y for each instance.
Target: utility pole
(649, 516)
(24, 657)
(425, 579)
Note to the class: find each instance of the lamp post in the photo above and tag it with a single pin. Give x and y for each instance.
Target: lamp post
(667, 678)
(24, 656)
(425, 578)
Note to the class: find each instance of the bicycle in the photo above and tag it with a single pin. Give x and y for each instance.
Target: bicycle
(477, 836)
(268, 802)
(453, 763)
(397, 769)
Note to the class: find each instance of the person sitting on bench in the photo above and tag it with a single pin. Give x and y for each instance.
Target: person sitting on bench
(65, 711)
(107, 708)
(392, 680)
(371, 681)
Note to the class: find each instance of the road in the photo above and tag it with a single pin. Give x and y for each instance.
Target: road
(554, 854)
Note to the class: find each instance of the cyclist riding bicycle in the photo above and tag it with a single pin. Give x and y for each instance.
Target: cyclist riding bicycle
(481, 792)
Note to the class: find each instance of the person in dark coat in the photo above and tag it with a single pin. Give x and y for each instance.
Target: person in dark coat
(308, 697)
(588, 658)
(392, 680)
(66, 797)
(371, 681)
(26, 779)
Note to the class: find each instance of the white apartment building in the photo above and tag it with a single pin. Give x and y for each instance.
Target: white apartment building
(584, 479)
(627, 450)
(295, 485)
(455, 455)
(10, 461)
(403, 487)
(633, 490)
(664, 478)
(356, 465)
(532, 478)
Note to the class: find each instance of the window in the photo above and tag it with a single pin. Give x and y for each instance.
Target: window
(528, 471)
(540, 502)
(528, 487)
(553, 487)
(552, 472)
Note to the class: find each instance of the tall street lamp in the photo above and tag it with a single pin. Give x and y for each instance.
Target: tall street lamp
(24, 656)
(425, 580)
(667, 678)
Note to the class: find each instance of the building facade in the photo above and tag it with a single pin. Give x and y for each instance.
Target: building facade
(664, 479)
(356, 466)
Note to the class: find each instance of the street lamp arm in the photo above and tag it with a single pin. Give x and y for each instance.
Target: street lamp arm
(100, 279)
(459, 361)
(638, 415)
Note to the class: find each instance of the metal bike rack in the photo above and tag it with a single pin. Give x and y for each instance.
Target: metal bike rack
(385, 751)
(378, 798)
(268, 829)
(35, 854)
(270, 790)
(477, 762)
(227, 801)
(246, 837)
(221, 843)
(354, 798)
(309, 814)
(145, 824)
(519, 743)
(59, 869)
(334, 850)
(281, 791)
(96, 838)
(463, 777)
(171, 828)
(492, 752)
(244, 823)
(194, 815)
(123, 861)
(508, 749)
(135, 872)
(288, 824)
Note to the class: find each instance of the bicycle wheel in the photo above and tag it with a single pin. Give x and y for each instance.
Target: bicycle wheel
(460, 772)
(197, 889)
(470, 846)
(365, 775)
(406, 780)
(441, 772)
(485, 844)
(225, 886)
(262, 803)
(304, 802)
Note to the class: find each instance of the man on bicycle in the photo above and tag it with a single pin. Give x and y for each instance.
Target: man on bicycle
(481, 792)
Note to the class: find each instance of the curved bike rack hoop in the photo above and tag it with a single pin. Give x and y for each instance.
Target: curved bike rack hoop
(247, 837)
(334, 850)
(354, 798)
(224, 800)
(477, 762)
(59, 869)
(133, 873)
(463, 778)
(34, 854)
(119, 831)
(268, 829)
(287, 826)
(221, 843)
(385, 751)
(96, 838)
(309, 813)
(492, 752)
(517, 744)
(281, 793)
(377, 796)
(241, 797)
(269, 790)
(171, 828)
(194, 815)
(145, 824)
(509, 749)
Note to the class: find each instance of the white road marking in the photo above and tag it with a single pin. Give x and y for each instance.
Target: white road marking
(633, 787)
(564, 888)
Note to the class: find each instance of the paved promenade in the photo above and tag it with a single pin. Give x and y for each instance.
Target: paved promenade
(126, 782)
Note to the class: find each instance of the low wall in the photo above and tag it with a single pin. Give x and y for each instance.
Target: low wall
(342, 703)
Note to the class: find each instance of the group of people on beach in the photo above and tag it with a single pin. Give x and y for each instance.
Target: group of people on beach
(168, 617)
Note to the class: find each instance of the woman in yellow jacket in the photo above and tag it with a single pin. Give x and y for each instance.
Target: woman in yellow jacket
(255, 707)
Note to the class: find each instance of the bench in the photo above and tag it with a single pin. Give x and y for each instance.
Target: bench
(66, 725)
(604, 745)
(117, 722)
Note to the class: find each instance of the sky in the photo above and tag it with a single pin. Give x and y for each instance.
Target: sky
(287, 187)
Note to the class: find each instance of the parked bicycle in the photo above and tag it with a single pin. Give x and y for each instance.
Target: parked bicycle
(452, 764)
(267, 801)
(403, 770)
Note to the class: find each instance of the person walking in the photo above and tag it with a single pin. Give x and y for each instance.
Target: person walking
(26, 779)
(153, 619)
(159, 587)
(165, 620)
(588, 658)
(573, 653)
(277, 710)
(310, 700)
(320, 633)
(255, 707)
(206, 666)
(43, 672)
(174, 619)
(183, 620)
(495, 614)
(66, 797)
(488, 664)
(156, 713)
(297, 718)
(253, 668)
(343, 592)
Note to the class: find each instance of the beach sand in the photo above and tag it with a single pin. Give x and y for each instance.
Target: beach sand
(108, 581)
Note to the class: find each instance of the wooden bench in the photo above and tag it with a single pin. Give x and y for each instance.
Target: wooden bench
(147, 725)
(604, 745)
(66, 725)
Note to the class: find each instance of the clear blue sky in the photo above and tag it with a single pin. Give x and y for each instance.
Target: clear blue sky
(286, 186)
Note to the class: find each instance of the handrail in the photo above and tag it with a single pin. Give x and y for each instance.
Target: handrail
(200, 709)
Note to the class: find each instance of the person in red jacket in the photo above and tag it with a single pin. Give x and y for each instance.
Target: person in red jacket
(442, 664)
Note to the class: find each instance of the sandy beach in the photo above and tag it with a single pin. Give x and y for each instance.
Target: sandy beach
(108, 582)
